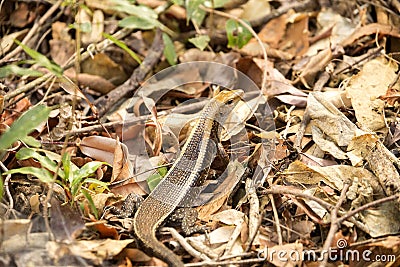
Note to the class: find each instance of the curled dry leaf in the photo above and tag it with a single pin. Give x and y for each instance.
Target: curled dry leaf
(7, 41)
(315, 65)
(222, 192)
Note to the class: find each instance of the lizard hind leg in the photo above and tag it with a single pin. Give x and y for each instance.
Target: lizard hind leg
(188, 217)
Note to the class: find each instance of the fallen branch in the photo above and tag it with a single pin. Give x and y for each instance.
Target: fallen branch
(106, 102)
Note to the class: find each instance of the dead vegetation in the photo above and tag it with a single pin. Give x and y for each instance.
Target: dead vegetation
(313, 176)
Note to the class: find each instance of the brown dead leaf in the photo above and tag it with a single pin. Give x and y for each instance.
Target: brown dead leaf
(99, 147)
(330, 119)
(334, 28)
(285, 253)
(327, 145)
(222, 192)
(126, 189)
(299, 173)
(106, 231)
(14, 227)
(273, 32)
(365, 88)
(255, 9)
(221, 235)
(24, 14)
(373, 28)
(96, 83)
(382, 220)
(102, 65)
(315, 65)
(295, 41)
(122, 167)
(253, 49)
(62, 46)
(8, 117)
(95, 250)
(7, 42)
(381, 162)
(392, 96)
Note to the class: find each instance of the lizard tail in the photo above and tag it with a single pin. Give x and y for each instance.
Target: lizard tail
(146, 221)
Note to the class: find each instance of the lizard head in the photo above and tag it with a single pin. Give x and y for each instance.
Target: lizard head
(229, 97)
(227, 100)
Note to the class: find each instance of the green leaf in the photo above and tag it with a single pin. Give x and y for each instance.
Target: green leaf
(123, 46)
(41, 59)
(177, 2)
(55, 157)
(138, 11)
(16, 70)
(24, 125)
(200, 41)
(87, 170)
(142, 17)
(237, 35)
(66, 161)
(133, 22)
(156, 177)
(194, 12)
(43, 174)
(216, 3)
(91, 202)
(169, 50)
(30, 141)
(101, 184)
(27, 153)
(83, 27)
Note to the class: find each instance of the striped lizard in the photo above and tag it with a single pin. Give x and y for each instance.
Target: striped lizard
(185, 173)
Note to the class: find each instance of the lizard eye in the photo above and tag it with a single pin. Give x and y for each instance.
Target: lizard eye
(229, 102)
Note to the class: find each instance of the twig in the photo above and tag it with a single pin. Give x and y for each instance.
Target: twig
(276, 189)
(28, 86)
(366, 206)
(254, 213)
(276, 217)
(335, 223)
(99, 47)
(106, 102)
(32, 31)
(140, 119)
(186, 245)
(7, 189)
(285, 190)
(134, 120)
(296, 6)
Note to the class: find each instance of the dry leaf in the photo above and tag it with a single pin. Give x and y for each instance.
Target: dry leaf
(365, 88)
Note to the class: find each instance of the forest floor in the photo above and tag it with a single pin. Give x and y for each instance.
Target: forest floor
(97, 98)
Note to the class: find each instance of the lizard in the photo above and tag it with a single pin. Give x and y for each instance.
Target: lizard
(185, 173)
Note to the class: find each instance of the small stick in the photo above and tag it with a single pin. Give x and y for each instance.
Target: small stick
(106, 102)
(185, 244)
(335, 223)
(7, 189)
(32, 31)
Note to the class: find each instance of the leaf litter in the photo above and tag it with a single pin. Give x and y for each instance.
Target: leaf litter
(329, 173)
